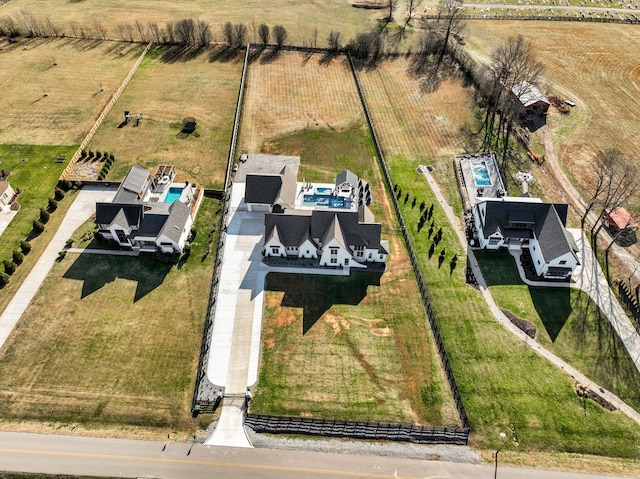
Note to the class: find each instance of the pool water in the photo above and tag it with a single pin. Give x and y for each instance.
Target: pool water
(330, 201)
(173, 195)
(480, 173)
(323, 191)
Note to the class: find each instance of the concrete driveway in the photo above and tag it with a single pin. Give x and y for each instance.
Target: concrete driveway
(80, 211)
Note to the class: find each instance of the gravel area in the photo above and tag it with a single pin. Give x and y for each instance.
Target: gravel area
(436, 452)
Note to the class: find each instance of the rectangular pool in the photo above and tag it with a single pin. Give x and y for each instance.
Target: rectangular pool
(174, 194)
(327, 201)
(480, 173)
(323, 191)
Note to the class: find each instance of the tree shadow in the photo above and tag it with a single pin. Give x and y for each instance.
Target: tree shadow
(180, 53)
(553, 306)
(316, 294)
(224, 53)
(95, 271)
(535, 121)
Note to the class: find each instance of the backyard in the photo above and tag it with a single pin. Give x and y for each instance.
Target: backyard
(107, 345)
(167, 88)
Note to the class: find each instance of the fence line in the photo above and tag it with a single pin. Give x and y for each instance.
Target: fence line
(105, 111)
(358, 430)
(412, 256)
(544, 18)
(206, 396)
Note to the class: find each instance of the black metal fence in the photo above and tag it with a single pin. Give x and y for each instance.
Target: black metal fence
(631, 18)
(412, 256)
(358, 430)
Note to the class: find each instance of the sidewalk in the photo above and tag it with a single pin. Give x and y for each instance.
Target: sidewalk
(80, 211)
(504, 321)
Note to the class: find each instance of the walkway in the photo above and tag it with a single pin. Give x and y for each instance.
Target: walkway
(6, 216)
(80, 211)
(235, 344)
(504, 321)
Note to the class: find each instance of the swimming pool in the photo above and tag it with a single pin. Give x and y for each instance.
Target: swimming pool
(323, 191)
(328, 201)
(173, 194)
(480, 173)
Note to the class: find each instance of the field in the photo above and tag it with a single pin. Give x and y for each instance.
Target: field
(166, 89)
(53, 90)
(369, 357)
(597, 67)
(107, 344)
(299, 18)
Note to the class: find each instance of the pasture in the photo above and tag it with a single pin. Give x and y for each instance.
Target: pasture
(53, 89)
(167, 88)
(107, 343)
(299, 18)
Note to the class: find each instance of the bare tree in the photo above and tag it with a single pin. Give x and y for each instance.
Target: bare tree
(263, 34)
(314, 38)
(367, 48)
(411, 8)
(239, 35)
(99, 30)
(335, 41)
(203, 33)
(155, 33)
(227, 33)
(142, 31)
(450, 22)
(73, 26)
(280, 35)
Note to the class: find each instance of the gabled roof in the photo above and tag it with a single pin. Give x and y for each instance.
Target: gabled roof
(270, 189)
(334, 232)
(347, 177)
(290, 230)
(123, 214)
(133, 186)
(4, 186)
(175, 222)
(521, 219)
(528, 94)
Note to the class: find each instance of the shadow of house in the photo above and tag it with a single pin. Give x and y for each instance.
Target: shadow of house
(553, 306)
(96, 271)
(316, 294)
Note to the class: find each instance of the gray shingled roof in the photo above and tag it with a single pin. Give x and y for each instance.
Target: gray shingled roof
(549, 220)
(134, 183)
(131, 214)
(347, 177)
(176, 221)
(528, 94)
(262, 189)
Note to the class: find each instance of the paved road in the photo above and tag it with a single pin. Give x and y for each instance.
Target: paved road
(128, 458)
(80, 211)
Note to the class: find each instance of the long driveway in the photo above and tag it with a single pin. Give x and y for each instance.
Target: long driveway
(80, 211)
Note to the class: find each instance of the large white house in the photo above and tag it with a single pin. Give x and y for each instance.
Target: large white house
(141, 221)
(528, 223)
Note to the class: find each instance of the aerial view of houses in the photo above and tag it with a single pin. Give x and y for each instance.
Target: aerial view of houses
(402, 232)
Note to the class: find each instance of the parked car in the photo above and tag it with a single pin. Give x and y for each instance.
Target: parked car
(570, 103)
(244, 157)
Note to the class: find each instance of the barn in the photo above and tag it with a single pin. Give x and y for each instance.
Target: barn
(531, 98)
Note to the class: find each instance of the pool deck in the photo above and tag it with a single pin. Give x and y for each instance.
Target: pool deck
(472, 193)
(303, 189)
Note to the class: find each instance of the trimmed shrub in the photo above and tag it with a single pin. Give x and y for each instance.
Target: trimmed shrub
(98, 155)
(64, 185)
(18, 257)
(4, 280)
(44, 215)
(90, 155)
(83, 153)
(111, 157)
(9, 267)
(25, 247)
(53, 204)
(38, 227)
(61, 254)
(58, 194)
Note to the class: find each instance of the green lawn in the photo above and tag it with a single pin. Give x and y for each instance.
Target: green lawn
(503, 382)
(112, 341)
(569, 324)
(37, 177)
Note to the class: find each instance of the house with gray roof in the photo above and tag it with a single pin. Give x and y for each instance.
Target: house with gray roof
(339, 239)
(528, 223)
(271, 193)
(136, 220)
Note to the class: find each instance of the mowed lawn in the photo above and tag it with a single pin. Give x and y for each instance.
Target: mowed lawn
(54, 89)
(165, 90)
(111, 341)
(299, 18)
(569, 324)
(503, 382)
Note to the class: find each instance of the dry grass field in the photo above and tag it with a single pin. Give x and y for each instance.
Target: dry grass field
(295, 92)
(598, 67)
(299, 18)
(166, 89)
(53, 90)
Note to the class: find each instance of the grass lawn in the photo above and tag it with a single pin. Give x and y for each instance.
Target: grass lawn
(37, 177)
(569, 324)
(107, 342)
(502, 382)
(54, 89)
(166, 89)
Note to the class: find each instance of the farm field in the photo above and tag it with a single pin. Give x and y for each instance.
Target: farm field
(370, 357)
(166, 89)
(53, 89)
(107, 344)
(502, 382)
(597, 67)
(299, 18)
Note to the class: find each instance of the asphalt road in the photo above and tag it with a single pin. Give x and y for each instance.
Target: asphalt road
(128, 458)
